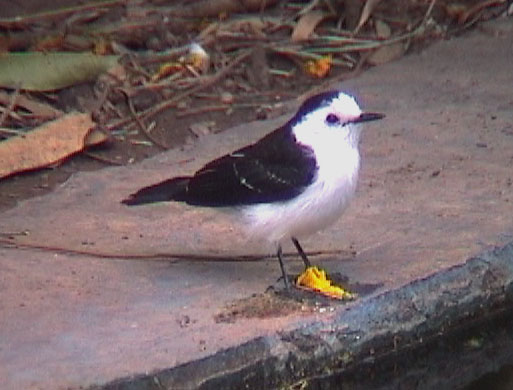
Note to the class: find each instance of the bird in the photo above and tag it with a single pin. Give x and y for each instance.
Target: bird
(293, 182)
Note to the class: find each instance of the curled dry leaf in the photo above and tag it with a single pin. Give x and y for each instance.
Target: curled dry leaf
(383, 30)
(306, 25)
(201, 129)
(319, 68)
(367, 10)
(166, 70)
(47, 144)
(387, 53)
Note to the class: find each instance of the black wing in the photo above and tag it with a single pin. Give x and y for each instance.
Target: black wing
(275, 168)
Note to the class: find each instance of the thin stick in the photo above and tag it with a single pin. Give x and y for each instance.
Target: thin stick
(428, 12)
(165, 256)
(104, 160)
(10, 107)
(23, 20)
(8, 132)
(201, 110)
(143, 127)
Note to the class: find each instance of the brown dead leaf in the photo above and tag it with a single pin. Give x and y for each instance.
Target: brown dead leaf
(319, 68)
(201, 129)
(387, 53)
(40, 110)
(306, 25)
(367, 10)
(46, 144)
(455, 10)
(95, 137)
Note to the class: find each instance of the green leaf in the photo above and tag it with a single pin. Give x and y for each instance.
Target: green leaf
(35, 71)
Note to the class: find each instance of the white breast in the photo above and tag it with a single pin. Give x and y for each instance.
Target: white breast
(319, 206)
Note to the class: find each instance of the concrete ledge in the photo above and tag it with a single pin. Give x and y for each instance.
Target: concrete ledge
(422, 318)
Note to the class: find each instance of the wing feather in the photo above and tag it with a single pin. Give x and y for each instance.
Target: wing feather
(275, 168)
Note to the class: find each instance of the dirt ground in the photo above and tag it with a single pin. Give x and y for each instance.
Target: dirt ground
(254, 97)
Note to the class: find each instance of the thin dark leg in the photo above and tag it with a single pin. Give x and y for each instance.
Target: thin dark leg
(282, 266)
(301, 252)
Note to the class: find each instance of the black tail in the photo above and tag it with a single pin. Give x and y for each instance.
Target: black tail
(172, 189)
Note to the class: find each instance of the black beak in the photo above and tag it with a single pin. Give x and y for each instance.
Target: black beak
(368, 116)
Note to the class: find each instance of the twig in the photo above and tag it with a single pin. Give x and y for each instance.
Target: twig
(142, 126)
(476, 9)
(309, 55)
(40, 110)
(11, 243)
(105, 160)
(3, 130)
(10, 107)
(21, 21)
(169, 82)
(428, 12)
(16, 233)
(201, 110)
(309, 7)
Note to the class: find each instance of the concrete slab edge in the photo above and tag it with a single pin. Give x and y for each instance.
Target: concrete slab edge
(396, 322)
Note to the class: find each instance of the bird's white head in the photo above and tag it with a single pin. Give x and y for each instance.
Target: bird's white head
(330, 117)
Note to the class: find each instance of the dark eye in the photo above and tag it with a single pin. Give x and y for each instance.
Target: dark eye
(332, 119)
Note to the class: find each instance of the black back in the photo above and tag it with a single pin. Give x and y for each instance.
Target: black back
(275, 168)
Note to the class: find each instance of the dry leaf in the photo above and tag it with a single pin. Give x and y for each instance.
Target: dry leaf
(319, 68)
(95, 137)
(456, 10)
(306, 25)
(167, 69)
(50, 71)
(46, 144)
(201, 129)
(386, 54)
(368, 8)
(383, 30)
